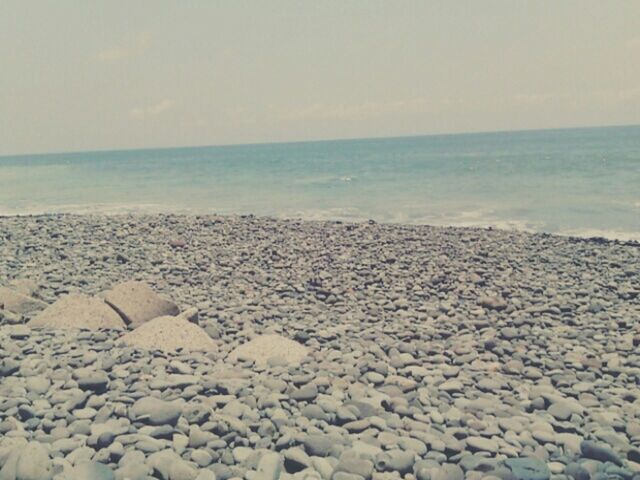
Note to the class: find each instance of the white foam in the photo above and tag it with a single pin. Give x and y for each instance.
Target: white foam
(96, 208)
(608, 234)
(351, 214)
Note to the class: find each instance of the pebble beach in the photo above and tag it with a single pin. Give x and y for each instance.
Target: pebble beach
(210, 347)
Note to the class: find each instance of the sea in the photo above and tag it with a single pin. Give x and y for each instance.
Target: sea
(579, 182)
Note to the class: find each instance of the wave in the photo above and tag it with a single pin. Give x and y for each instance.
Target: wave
(97, 209)
(326, 180)
(624, 236)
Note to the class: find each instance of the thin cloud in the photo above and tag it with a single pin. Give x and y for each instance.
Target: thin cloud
(366, 109)
(536, 98)
(135, 46)
(152, 110)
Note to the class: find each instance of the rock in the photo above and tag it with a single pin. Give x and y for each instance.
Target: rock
(560, 411)
(16, 302)
(263, 347)
(270, 466)
(599, 452)
(201, 457)
(395, 461)
(161, 462)
(177, 242)
(305, 394)
(8, 366)
(30, 462)
(577, 472)
(528, 468)
(295, 460)
(451, 386)
(38, 384)
(78, 311)
(318, 445)
(482, 444)
(154, 411)
(25, 286)
(19, 332)
(137, 303)
(181, 470)
(492, 303)
(89, 470)
(9, 318)
(448, 471)
(206, 475)
(94, 381)
(170, 334)
(351, 463)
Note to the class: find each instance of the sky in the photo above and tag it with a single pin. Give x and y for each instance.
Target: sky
(115, 74)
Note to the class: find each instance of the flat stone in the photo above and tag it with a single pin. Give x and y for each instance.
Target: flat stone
(19, 332)
(451, 386)
(577, 472)
(560, 411)
(264, 347)
(96, 382)
(492, 303)
(154, 411)
(528, 468)
(448, 471)
(91, 470)
(482, 444)
(351, 463)
(599, 452)
(306, 393)
(318, 445)
(270, 466)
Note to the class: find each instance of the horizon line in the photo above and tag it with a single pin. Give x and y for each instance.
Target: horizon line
(323, 140)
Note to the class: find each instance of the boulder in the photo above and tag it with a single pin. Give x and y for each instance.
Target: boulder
(78, 311)
(170, 334)
(30, 462)
(16, 302)
(264, 347)
(137, 303)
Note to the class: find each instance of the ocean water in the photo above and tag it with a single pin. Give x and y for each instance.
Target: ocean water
(575, 181)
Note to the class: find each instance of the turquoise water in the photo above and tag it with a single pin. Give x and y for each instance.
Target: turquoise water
(578, 181)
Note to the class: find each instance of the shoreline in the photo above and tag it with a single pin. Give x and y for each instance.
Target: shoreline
(625, 238)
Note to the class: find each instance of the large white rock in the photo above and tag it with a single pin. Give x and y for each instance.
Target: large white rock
(78, 311)
(28, 462)
(17, 302)
(170, 334)
(264, 347)
(137, 303)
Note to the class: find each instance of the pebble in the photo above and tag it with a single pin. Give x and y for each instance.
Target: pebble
(420, 353)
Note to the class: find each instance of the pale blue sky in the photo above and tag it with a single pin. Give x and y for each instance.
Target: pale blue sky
(84, 75)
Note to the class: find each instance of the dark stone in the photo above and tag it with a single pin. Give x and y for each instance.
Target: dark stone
(599, 452)
(528, 468)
